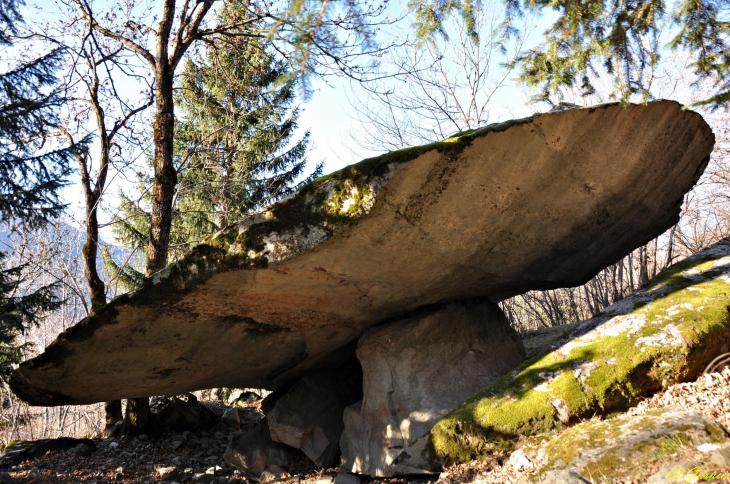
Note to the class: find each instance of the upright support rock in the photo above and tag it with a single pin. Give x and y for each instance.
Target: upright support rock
(309, 416)
(415, 371)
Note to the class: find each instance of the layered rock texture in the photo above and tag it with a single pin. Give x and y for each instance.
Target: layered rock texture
(664, 334)
(536, 203)
(416, 370)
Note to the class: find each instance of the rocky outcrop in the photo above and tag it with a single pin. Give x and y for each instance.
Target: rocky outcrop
(415, 371)
(629, 448)
(254, 452)
(663, 334)
(309, 416)
(536, 203)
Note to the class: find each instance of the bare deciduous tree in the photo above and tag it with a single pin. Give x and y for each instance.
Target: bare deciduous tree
(438, 88)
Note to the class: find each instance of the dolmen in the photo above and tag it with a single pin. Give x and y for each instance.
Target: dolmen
(368, 300)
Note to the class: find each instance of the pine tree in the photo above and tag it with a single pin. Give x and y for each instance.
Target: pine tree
(234, 142)
(31, 174)
(234, 148)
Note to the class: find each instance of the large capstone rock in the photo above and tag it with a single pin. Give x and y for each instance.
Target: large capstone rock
(536, 203)
(415, 371)
(663, 334)
(309, 416)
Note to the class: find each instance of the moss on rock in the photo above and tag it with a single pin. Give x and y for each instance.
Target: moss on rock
(626, 447)
(656, 337)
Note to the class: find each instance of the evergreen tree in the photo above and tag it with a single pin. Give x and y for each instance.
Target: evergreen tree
(31, 174)
(233, 143)
(234, 147)
(620, 37)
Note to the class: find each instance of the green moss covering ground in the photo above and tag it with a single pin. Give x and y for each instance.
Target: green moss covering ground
(683, 323)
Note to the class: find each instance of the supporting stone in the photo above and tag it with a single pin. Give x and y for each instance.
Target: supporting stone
(415, 370)
(309, 416)
(254, 452)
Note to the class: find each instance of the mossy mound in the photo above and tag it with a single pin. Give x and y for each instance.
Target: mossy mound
(661, 335)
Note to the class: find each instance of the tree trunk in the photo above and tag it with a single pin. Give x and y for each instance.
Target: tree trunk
(113, 412)
(165, 180)
(643, 266)
(97, 289)
(138, 418)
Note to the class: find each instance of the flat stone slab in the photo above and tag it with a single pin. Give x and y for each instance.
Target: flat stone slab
(537, 203)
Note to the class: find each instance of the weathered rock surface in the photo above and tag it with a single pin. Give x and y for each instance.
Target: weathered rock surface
(254, 452)
(661, 335)
(415, 371)
(309, 416)
(536, 203)
(618, 450)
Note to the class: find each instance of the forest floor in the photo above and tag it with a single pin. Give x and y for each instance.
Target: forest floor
(200, 457)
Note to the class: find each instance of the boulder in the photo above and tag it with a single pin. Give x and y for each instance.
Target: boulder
(634, 449)
(180, 413)
(232, 418)
(415, 370)
(254, 452)
(663, 334)
(81, 450)
(536, 203)
(309, 416)
(18, 451)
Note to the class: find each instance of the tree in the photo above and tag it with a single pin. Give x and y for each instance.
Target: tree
(234, 151)
(234, 144)
(308, 27)
(624, 40)
(97, 109)
(32, 172)
(237, 125)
